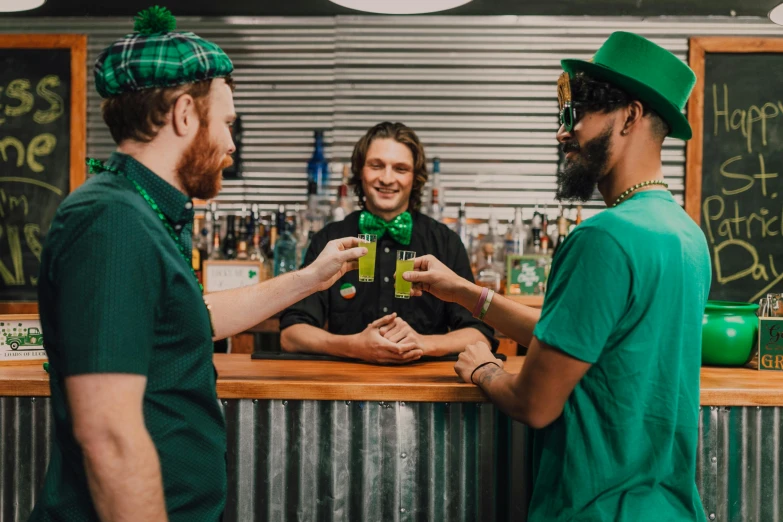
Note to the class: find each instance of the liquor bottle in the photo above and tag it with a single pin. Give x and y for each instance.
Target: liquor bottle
(274, 230)
(535, 229)
(242, 253)
(256, 253)
(217, 251)
(195, 253)
(264, 233)
(230, 241)
(207, 227)
(490, 250)
(318, 166)
(518, 233)
(285, 246)
(252, 223)
(303, 235)
(562, 230)
(462, 226)
(488, 274)
(342, 205)
(436, 194)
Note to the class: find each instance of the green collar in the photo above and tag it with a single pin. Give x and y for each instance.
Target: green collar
(176, 206)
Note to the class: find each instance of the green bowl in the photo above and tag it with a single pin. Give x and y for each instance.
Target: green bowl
(729, 333)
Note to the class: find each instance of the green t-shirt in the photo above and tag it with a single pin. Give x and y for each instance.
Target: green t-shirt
(626, 293)
(116, 296)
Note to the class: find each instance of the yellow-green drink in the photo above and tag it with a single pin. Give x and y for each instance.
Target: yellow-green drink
(367, 262)
(402, 288)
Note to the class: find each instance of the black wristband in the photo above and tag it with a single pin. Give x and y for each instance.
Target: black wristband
(479, 366)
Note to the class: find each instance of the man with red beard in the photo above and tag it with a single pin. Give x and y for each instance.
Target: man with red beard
(138, 430)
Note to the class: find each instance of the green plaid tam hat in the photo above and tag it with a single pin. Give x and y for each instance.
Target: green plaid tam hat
(155, 56)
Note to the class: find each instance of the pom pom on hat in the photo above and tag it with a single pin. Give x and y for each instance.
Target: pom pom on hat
(154, 20)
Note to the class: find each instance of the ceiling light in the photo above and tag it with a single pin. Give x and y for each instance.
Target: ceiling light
(776, 15)
(10, 6)
(398, 7)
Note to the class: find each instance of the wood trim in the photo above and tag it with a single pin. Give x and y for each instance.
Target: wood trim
(694, 150)
(20, 317)
(19, 307)
(77, 43)
(694, 147)
(239, 377)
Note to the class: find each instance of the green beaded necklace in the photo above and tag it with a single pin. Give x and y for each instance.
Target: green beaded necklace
(636, 187)
(97, 166)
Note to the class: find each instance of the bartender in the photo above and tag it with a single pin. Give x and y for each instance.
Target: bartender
(364, 320)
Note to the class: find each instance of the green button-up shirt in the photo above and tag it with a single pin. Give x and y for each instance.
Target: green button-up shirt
(117, 296)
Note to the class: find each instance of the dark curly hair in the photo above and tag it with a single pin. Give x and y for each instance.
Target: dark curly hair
(401, 134)
(592, 95)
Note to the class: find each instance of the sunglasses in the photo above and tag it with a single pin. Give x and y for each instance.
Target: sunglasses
(568, 118)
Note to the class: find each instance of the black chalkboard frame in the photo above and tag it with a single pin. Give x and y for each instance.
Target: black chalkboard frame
(77, 44)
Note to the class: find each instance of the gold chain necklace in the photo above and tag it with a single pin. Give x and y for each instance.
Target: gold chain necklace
(631, 190)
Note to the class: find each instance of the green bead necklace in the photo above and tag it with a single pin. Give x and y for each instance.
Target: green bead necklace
(97, 166)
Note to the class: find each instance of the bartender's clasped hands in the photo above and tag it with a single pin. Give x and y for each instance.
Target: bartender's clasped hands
(387, 341)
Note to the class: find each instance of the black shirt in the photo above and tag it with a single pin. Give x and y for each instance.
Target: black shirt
(426, 314)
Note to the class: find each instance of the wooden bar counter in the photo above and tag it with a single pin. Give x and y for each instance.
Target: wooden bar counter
(239, 377)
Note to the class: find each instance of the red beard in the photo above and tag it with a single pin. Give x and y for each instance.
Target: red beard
(201, 168)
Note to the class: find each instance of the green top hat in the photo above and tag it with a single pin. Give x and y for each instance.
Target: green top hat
(646, 70)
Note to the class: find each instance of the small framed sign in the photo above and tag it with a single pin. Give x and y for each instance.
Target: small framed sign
(770, 356)
(527, 274)
(20, 338)
(230, 274)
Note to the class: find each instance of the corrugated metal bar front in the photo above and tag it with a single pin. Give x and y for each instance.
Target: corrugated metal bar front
(739, 466)
(369, 461)
(25, 432)
(354, 461)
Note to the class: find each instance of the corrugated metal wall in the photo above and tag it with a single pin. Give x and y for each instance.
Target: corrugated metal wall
(393, 461)
(478, 90)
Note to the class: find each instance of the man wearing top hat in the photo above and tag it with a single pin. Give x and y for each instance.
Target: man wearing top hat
(611, 379)
(138, 432)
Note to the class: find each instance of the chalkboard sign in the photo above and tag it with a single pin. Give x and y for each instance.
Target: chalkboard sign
(42, 150)
(734, 181)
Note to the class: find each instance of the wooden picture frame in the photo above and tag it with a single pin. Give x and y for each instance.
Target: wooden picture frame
(77, 44)
(699, 46)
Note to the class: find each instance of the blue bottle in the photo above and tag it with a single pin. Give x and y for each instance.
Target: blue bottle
(318, 167)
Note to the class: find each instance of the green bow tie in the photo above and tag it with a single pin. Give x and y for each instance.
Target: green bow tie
(399, 228)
